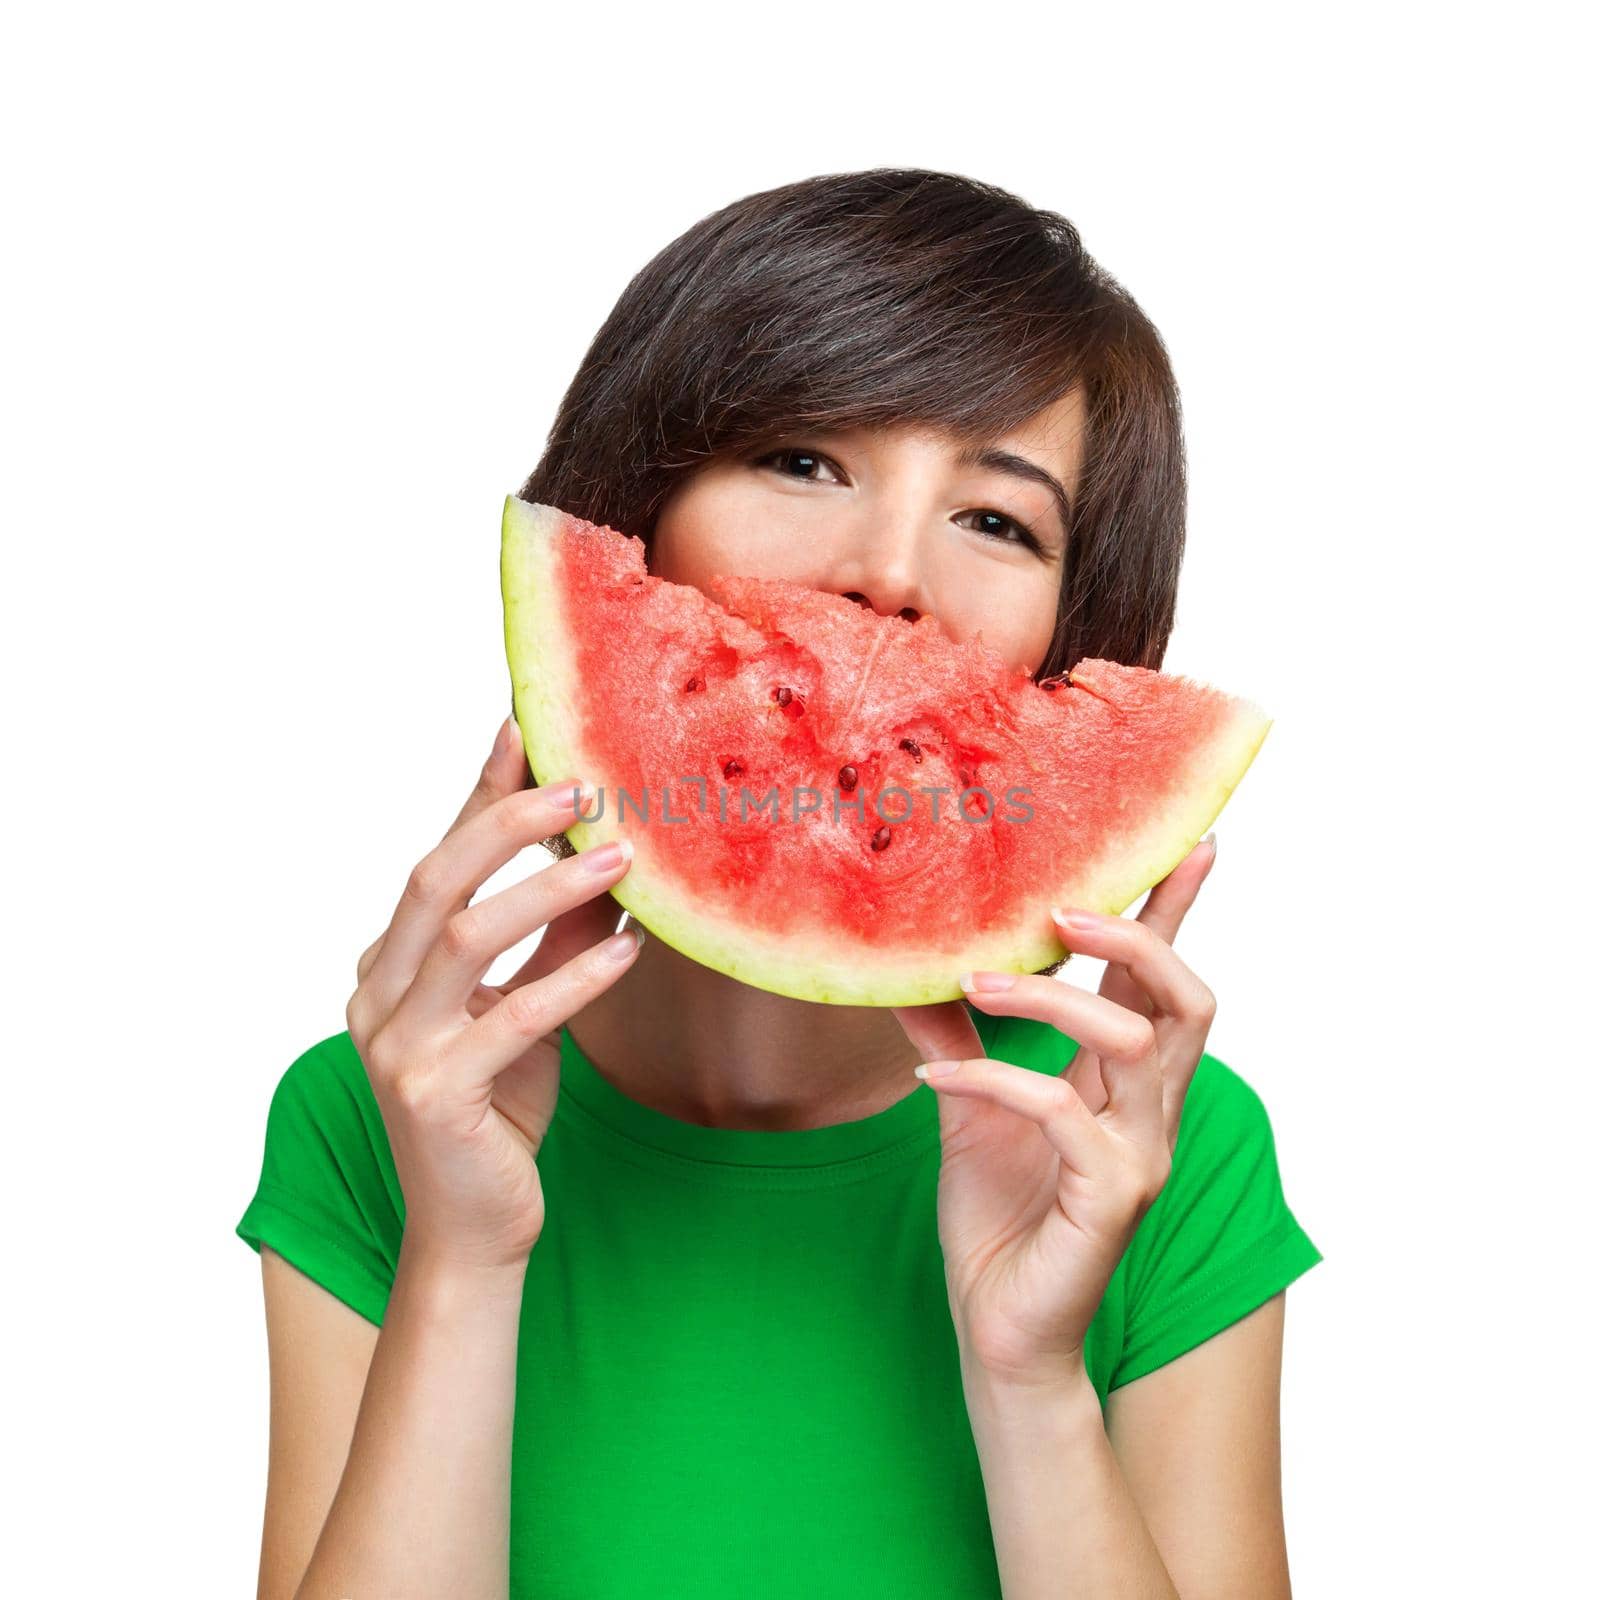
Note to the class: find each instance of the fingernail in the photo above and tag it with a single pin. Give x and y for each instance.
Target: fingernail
(988, 982)
(502, 740)
(623, 946)
(935, 1069)
(1081, 921)
(1211, 839)
(572, 796)
(608, 857)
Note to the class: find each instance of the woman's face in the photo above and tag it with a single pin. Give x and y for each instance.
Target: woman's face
(901, 519)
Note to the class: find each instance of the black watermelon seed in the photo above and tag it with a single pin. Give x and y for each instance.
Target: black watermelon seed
(848, 778)
(692, 685)
(912, 749)
(732, 769)
(880, 840)
(783, 696)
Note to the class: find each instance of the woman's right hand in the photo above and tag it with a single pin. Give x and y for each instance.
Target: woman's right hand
(465, 1073)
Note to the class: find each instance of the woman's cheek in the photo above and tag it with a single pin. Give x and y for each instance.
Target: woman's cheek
(1012, 608)
(716, 525)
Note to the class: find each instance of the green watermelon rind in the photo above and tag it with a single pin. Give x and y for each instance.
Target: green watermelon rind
(825, 965)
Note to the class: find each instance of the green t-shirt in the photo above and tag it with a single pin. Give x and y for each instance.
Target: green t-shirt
(736, 1369)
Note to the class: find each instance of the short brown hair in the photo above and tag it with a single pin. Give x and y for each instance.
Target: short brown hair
(867, 299)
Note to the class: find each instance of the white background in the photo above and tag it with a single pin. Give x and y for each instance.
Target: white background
(292, 295)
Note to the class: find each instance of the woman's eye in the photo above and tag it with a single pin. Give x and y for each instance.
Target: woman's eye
(995, 526)
(796, 463)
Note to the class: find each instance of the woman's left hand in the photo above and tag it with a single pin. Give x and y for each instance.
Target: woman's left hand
(1044, 1178)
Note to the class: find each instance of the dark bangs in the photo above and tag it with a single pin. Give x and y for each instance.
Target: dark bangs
(870, 299)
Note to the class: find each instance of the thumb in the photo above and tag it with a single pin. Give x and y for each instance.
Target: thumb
(942, 1032)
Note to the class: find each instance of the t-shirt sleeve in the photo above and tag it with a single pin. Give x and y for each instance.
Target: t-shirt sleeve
(328, 1200)
(1220, 1238)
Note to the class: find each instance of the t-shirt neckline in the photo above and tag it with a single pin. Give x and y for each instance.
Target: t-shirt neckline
(906, 1127)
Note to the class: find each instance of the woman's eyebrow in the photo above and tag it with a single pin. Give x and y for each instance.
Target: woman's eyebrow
(1019, 467)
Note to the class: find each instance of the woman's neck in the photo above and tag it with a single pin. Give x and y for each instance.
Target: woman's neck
(699, 1046)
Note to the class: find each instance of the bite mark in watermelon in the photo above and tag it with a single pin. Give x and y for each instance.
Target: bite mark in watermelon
(673, 702)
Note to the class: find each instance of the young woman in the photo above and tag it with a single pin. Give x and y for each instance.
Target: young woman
(622, 1279)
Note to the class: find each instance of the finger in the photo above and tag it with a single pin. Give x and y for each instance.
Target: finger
(564, 936)
(475, 935)
(1123, 1042)
(503, 773)
(1096, 1023)
(1163, 912)
(942, 1032)
(368, 956)
(486, 1047)
(1169, 901)
(1072, 1130)
(452, 872)
(1159, 971)
(1136, 1094)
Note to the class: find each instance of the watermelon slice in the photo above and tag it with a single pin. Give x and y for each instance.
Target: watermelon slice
(836, 805)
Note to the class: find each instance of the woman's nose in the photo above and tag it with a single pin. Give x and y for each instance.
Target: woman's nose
(883, 573)
(909, 612)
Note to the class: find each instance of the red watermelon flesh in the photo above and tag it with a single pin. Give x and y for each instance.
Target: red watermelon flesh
(774, 754)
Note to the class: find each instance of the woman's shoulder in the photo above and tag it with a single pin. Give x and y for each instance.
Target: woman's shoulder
(328, 1198)
(1222, 1101)
(329, 1073)
(323, 1104)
